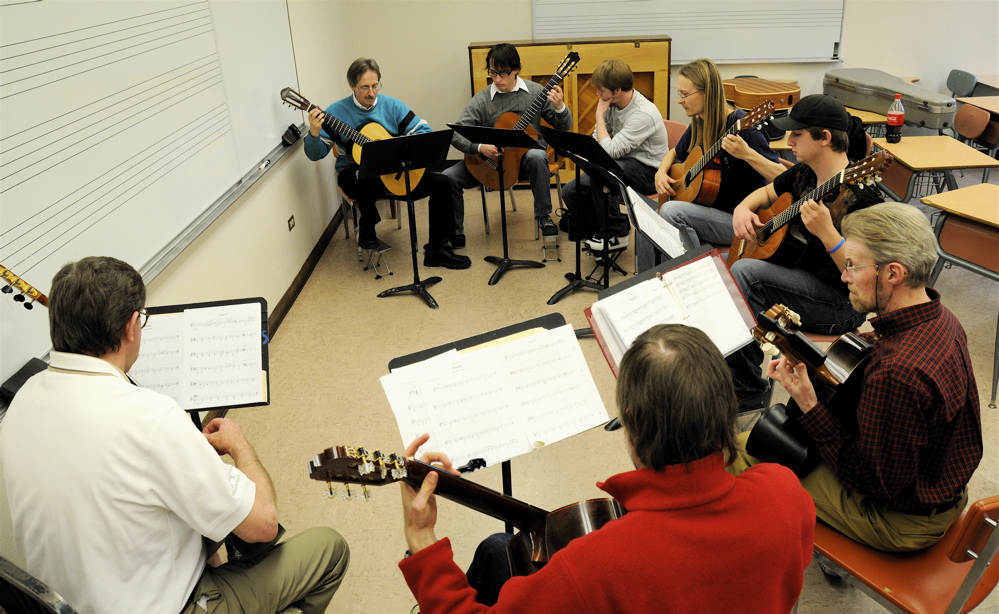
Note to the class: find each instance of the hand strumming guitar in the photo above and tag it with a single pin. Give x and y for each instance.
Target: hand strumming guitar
(793, 376)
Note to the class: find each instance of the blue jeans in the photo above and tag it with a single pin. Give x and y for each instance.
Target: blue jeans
(533, 167)
(702, 224)
(823, 309)
(587, 200)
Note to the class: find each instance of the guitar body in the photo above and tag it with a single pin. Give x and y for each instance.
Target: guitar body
(395, 183)
(703, 187)
(774, 247)
(747, 92)
(485, 169)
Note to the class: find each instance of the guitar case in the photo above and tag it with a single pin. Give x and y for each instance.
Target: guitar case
(874, 90)
(778, 437)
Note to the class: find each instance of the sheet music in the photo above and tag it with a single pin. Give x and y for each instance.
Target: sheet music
(204, 356)
(659, 231)
(634, 311)
(700, 289)
(497, 402)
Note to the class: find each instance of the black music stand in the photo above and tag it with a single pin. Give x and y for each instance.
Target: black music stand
(501, 138)
(399, 156)
(589, 155)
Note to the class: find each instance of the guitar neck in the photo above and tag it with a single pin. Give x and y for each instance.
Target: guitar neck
(817, 194)
(477, 497)
(334, 125)
(538, 104)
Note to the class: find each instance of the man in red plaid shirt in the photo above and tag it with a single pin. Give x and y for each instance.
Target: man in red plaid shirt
(900, 482)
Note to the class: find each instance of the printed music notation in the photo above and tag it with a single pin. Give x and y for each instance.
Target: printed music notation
(204, 357)
(496, 402)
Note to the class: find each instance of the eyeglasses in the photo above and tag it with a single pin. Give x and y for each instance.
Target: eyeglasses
(502, 73)
(851, 267)
(143, 318)
(680, 96)
(369, 88)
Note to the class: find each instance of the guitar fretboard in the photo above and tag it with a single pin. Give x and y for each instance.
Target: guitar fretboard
(538, 104)
(332, 124)
(779, 221)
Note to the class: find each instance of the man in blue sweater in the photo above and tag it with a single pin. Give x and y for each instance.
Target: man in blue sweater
(363, 107)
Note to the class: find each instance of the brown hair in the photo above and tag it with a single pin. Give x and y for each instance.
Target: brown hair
(613, 75)
(705, 76)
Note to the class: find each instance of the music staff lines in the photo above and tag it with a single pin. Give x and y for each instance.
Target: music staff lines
(224, 322)
(193, 150)
(231, 353)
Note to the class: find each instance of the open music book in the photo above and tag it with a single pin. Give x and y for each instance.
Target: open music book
(699, 292)
(206, 355)
(645, 216)
(500, 400)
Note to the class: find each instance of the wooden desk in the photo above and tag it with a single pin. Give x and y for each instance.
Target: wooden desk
(920, 154)
(867, 117)
(989, 103)
(967, 231)
(988, 85)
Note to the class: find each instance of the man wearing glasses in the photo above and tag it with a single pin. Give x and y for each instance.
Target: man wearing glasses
(898, 480)
(811, 286)
(508, 93)
(114, 494)
(365, 106)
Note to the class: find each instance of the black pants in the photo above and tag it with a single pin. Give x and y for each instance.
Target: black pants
(490, 568)
(367, 191)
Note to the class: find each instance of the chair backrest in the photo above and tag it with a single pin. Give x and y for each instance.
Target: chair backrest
(674, 130)
(22, 592)
(970, 121)
(961, 83)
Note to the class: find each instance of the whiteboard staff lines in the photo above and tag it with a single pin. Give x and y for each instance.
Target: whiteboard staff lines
(82, 135)
(100, 25)
(82, 72)
(102, 100)
(166, 147)
(206, 142)
(43, 49)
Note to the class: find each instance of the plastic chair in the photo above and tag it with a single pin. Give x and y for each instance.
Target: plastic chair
(23, 593)
(961, 83)
(674, 130)
(954, 575)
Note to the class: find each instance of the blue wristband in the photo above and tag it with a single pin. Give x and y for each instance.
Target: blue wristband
(838, 245)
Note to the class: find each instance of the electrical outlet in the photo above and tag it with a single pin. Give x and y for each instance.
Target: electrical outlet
(291, 223)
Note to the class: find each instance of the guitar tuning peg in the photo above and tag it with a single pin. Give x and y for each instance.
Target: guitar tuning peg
(366, 494)
(346, 494)
(769, 348)
(330, 494)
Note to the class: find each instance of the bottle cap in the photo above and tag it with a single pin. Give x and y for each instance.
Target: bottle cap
(897, 96)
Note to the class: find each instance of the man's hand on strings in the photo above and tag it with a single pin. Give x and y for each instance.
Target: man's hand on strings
(315, 121)
(556, 97)
(818, 221)
(745, 223)
(419, 507)
(794, 378)
(489, 151)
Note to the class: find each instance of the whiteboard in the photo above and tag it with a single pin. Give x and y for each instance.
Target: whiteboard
(726, 31)
(121, 125)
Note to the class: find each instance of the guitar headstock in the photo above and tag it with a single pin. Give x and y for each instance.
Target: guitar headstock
(15, 282)
(773, 328)
(761, 112)
(869, 169)
(295, 100)
(567, 66)
(349, 465)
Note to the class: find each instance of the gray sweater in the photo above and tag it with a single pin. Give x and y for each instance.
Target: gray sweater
(483, 111)
(637, 131)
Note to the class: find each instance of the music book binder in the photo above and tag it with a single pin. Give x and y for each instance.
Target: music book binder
(695, 289)
(507, 393)
(206, 356)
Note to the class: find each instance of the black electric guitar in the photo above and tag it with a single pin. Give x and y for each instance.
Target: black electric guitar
(699, 176)
(542, 533)
(25, 290)
(394, 182)
(485, 169)
(837, 375)
(773, 242)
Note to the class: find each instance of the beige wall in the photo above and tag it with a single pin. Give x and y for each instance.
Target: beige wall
(421, 46)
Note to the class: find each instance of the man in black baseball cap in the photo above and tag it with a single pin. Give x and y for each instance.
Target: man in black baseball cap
(804, 271)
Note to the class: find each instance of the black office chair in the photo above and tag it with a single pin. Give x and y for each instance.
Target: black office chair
(22, 592)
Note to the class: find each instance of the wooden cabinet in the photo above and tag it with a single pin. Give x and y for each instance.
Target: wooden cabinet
(649, 59)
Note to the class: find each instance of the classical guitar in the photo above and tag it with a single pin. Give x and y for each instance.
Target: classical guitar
(837, 375)
(26, 290)
(394, 182)
(747, 92)
(541, 533)
(699, 176)
(485, 169)
(773, 242)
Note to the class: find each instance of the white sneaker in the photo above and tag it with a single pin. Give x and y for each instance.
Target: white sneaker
(615, 244)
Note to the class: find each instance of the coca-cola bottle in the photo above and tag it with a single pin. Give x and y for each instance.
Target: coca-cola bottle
(896, 118)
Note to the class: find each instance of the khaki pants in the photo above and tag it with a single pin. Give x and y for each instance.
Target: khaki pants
(304, 571)
(860, 517)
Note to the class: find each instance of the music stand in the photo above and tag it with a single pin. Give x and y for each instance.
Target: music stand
(399, 156)
(501, 138)
(589, 155)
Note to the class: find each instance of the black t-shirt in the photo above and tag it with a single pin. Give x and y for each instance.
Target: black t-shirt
(738, 178)
(799, 180)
